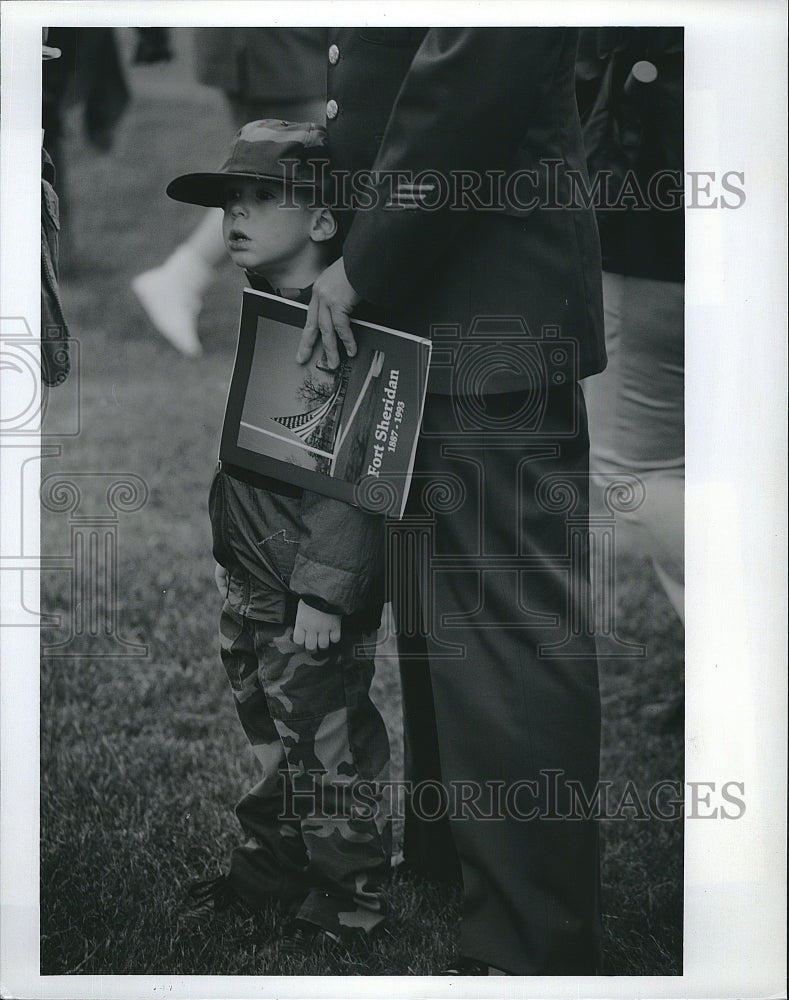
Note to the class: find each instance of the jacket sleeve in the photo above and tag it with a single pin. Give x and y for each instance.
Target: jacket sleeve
(464, 105)
(341, 556)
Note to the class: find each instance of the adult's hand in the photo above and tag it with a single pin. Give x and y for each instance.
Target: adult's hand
(333, 300)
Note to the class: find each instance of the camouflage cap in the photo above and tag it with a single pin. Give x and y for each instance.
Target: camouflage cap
(290, 152)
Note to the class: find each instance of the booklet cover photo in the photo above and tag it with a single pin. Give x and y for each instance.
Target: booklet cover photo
(348, 432)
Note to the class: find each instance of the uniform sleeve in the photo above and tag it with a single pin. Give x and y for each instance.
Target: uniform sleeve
(341, 556)
(464, 106)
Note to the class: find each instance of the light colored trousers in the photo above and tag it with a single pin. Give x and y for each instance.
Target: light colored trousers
(636, 415)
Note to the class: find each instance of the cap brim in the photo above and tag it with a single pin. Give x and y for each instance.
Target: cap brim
(208, 189)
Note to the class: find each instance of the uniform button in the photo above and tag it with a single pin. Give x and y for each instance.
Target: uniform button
(332, 110)
(334, 55)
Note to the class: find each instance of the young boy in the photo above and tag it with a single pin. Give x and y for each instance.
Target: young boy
(302, 577)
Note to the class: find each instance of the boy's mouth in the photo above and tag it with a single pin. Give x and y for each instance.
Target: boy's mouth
(237, 236)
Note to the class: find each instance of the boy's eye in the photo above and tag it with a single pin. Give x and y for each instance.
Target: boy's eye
(259, 195)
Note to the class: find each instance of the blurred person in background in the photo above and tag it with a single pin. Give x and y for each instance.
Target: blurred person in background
(153, 46)
(264, 73)
(630, 94)
(88, 73)
(54, 329)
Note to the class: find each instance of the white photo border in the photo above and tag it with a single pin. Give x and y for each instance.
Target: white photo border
(735, 887)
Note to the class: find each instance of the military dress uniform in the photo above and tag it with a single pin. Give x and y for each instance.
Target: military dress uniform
(510, 292)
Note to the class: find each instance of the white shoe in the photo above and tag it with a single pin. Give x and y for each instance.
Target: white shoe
(171, 295)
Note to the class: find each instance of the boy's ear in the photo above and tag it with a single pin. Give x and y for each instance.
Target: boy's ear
(324, 225)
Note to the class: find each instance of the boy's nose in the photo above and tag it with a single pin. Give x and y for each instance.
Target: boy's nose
(237, 207)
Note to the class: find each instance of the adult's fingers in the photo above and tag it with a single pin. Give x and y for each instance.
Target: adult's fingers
(328, 335)
(310, 334)
(342, 327)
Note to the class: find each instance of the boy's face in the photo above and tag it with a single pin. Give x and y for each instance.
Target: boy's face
(264, 231)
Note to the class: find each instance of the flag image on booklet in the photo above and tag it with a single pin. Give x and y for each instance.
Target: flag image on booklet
(348, 432)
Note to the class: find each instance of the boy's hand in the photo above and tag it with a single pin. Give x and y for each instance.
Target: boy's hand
(333, 300)
(315, 629)
(220, 578)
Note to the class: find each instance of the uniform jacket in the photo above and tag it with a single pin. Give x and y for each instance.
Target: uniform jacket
(470, 100)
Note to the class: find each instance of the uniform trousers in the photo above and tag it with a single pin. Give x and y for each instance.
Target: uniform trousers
(499, 673)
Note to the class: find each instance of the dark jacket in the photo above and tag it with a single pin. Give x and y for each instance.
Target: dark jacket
(54, 330)
(277, 68)
(474, 100)
(640, 131)
(280, 543)
(278, 548)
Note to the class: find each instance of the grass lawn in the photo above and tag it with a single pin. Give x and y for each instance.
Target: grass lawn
(142, 758)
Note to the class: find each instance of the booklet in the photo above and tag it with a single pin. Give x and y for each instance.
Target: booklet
(349, 432)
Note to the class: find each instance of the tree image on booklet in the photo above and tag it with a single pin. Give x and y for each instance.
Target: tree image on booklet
(348, 432)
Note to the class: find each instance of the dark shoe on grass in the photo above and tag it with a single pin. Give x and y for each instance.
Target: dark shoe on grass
(220, 894)
(216, 892)
(304, 938)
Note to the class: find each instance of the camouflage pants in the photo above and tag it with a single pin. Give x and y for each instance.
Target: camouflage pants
(316, 838)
